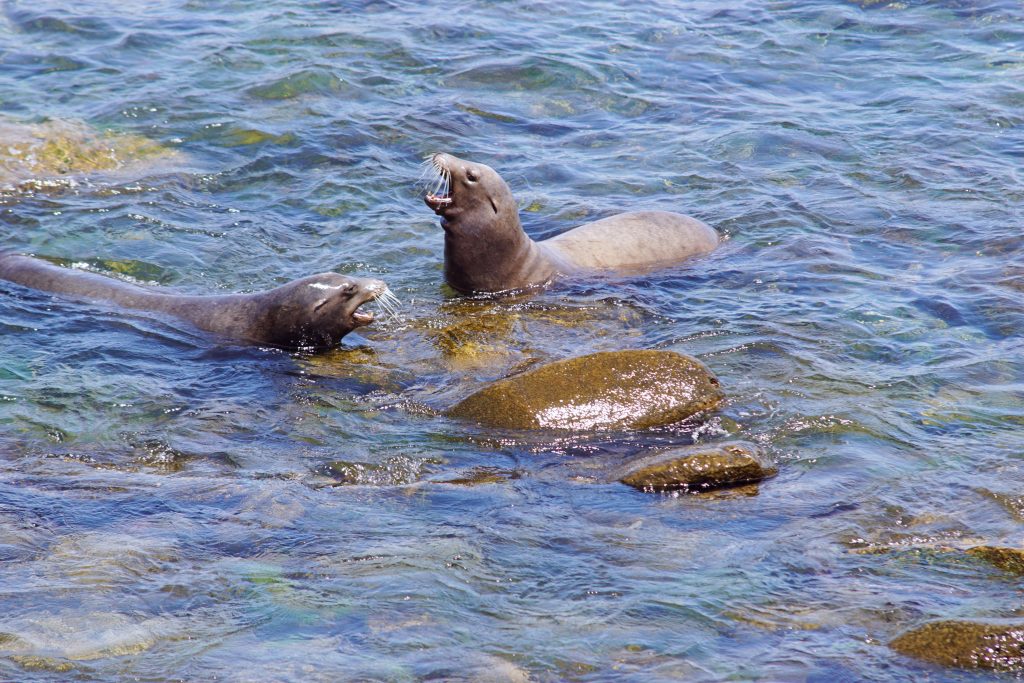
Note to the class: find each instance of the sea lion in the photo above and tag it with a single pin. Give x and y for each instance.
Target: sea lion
(486, 249)
(314, 311)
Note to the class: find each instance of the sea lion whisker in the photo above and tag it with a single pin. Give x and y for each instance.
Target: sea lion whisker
(434, 180)
(427, 172)
(389, 303)
(431, 179)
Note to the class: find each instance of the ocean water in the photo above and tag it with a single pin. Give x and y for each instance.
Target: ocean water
(177, 508)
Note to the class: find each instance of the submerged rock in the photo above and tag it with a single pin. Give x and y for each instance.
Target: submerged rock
(698, 468)
(471, 342)
(482, 475)
(1008, 559)
(392, 471)
(33, 151)
(607, 390)
(52, 641)
(966, 644)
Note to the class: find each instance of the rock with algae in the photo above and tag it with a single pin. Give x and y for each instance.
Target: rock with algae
(1008, 559)
(30, 153)
(698, 468)
(966, 644)
(601, 391)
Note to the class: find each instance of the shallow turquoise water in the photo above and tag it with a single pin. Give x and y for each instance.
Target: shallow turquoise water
(167, 508)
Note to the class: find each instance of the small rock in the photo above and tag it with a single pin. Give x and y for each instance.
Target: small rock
(482, 475)
(1008, 559)
(698, 468)
(393, 471)
(607, 390)
(966, 644)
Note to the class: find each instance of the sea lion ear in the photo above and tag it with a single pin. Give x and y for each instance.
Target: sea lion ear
(493, 205)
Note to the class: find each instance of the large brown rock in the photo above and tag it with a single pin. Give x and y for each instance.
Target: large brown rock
(608, 390)
(698, 468)
(966, 644)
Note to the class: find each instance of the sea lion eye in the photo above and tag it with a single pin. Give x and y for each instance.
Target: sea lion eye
(471, 175)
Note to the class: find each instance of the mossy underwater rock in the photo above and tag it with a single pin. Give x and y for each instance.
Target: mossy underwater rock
(57, 148)
(698, 468)
(966, 644)
(1008, 559)
(611, 390)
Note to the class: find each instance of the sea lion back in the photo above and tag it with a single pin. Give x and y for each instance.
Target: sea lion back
(635, 241)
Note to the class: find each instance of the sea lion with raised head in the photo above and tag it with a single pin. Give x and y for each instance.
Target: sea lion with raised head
(486, 249)
(314, 311)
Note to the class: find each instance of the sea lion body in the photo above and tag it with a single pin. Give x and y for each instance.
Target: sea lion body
(486, 249)
(314, 311)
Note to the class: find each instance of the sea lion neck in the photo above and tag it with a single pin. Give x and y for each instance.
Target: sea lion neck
(487, 264)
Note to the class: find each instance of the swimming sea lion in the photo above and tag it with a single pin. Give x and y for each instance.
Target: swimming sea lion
(314, 311)
(486, 250)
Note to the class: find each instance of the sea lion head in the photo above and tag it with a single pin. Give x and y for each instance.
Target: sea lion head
(318, 310)
(471, 198)
(485, 248)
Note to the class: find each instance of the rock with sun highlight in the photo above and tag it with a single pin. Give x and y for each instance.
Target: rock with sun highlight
(997, 645)
(698, 468)
(610, 390)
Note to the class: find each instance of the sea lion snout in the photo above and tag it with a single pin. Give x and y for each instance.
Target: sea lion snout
(372, 290)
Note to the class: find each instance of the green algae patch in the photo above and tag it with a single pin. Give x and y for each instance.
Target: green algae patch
(966, 644)
(610, 390)
(37, 663)
(307, 82)
(484, 114)
(1008, 559)
(242, 137)
(699, 468)
(470, 342)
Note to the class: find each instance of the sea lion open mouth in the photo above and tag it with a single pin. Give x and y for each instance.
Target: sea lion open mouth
(382, 296)
(362, 318)
(438, 202)
(439, 197)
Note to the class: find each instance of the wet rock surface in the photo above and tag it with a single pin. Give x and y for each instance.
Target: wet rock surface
(966, 644)
(698, 468)
(601, 391)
